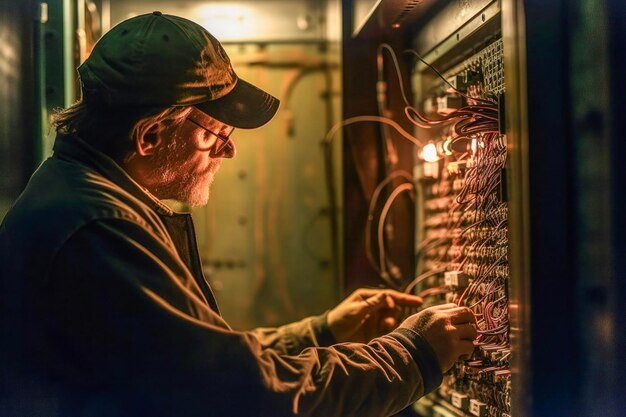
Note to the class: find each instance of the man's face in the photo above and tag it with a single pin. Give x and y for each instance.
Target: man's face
(188, 159)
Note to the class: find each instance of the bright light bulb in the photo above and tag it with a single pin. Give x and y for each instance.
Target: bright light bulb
(429, 153)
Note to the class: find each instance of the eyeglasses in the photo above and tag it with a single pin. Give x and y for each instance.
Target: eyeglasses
(212, 126)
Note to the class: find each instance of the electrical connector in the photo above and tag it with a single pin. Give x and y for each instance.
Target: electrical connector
(477, 408)
(455, 279)
(449, 103)
(459, 82)
(459, 400)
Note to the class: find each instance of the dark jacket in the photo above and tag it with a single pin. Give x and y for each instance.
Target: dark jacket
(105, 311)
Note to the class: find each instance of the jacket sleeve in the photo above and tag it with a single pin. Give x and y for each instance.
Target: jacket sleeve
(293, 338)
(127, 330)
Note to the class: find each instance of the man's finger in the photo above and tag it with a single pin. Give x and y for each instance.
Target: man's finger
(374, 302)
(389, 323)
(403, 299)
(466, 332)
(391, 298)
(368, 292)
(462, 315)
(391, 304)
(398, 297)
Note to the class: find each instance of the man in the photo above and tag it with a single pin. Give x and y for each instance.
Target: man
(105, 311)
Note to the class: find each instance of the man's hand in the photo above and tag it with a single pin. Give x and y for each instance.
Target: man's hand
(368, 313)
(449, 329)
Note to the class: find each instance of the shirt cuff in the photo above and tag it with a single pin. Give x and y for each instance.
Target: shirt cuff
(423, 354)
(322, 332)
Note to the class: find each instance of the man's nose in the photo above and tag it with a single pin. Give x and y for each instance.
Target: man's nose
(227, 151)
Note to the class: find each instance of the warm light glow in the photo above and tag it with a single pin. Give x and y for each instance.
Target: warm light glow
(9, 61)
(227, 21)
(429, 153)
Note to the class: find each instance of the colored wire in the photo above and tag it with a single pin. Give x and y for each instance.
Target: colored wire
(377, 119)
(381, 223)
(370, 213)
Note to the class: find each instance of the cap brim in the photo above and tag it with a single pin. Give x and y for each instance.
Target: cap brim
(244, 107)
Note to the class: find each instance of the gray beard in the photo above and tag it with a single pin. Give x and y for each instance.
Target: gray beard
(177, 183)
(184, 187)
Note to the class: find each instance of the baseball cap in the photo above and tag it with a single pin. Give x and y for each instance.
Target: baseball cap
(163, 60)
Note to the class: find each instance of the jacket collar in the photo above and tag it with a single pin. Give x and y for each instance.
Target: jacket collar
(73, 148)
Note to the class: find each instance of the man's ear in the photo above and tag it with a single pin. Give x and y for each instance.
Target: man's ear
(149, 140)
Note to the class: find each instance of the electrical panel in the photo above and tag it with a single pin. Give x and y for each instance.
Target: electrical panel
(461, 222)
(454, 114)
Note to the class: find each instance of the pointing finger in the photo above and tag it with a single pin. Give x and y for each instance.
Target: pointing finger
(403, 299)
(397, 298)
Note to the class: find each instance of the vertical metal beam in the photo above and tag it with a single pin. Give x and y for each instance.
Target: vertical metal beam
(59, 72)
(514, 38)
(16, 97)
(39, 108)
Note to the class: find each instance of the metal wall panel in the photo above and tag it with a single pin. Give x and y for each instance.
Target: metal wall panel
(265, 234)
